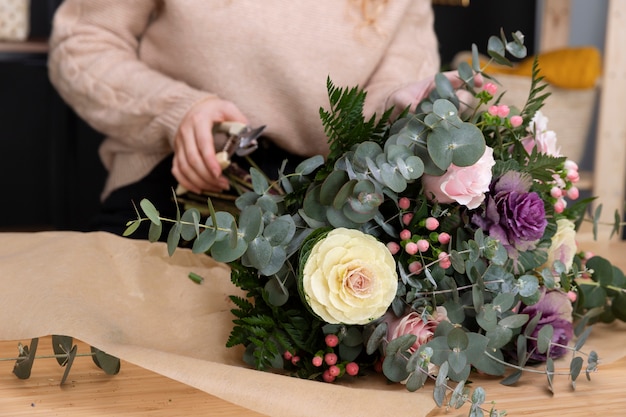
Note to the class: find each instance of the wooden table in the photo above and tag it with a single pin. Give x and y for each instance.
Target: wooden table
(138, 392)
(88, 391)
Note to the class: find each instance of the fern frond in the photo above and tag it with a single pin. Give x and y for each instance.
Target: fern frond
(535, 98)
(344, 123)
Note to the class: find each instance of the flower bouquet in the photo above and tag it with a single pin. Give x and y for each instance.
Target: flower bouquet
(427, 247)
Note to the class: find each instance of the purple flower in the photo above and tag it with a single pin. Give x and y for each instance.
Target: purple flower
(556, 310)
(513, 215)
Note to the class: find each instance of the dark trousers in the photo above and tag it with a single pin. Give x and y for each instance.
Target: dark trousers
(158, 187)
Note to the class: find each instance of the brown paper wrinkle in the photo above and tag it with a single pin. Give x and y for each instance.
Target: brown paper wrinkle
(131, 300)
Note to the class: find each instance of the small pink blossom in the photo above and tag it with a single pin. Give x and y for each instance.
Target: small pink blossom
(444, 238)
(491, 88)
(559, 206)
(573, 175)
(444, 260)
(330, 358)
(317, 361)
(331, 340)
(503, 110)
(423, 245)
(405, 234)
(352, 368)
(493, 110)
(411, 248)
(404, 203)
(412, 323)
(465, 185)
(406, 218)
(327, 377)
(415, 267)
(287, 355)
(516, 121)
(556, 192)
(432, 224)
(569, 164)
(393, 247)
(334, 371)
(573, 193)
(295, 360)
(572, 296)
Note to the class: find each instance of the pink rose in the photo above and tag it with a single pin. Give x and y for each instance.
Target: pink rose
(465, 185)
(412, 323)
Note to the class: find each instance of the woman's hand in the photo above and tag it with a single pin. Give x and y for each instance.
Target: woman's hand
(195, 166)
(412, 94)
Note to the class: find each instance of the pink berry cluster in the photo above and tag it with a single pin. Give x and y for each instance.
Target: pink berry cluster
(563, 186)
(422, 244)
(499, 112)
(328, 361)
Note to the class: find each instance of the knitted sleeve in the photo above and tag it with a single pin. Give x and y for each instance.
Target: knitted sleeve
(412, 55)
(94, 64)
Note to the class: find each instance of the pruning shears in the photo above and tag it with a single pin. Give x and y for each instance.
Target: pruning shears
(241, 140)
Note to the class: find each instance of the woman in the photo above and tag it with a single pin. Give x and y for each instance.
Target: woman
(155, 76)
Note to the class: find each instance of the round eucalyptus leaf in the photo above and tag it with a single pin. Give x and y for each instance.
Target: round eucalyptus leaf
(259, 181)
(222, 251)
(466, 73)
(151, 212)
(444, 88)
(366, 150)
(461, 145)
(514, 321)
(251, 222)
(457, 361)
(154, 231)
(544, 338)
(246, 199)
(517, 48)
(349, 353)
(602, 270)
(204, 241)
(309, 165)
(358, 216)
(457, 339)
(222, 224)
(376, 338)
(191, 224)
(392, 178)
(331, 186)
(276, 262)
(499, 337)
(496, 50)
(343, 194)
(528, 285)
(277, 294)
(173, 238)
(430, 167)
(268, 203)
(504, 301)
(280, 231)
(311, 204)
(336, 218)
(411, 168)
(259, 252)
(394, 152)
(446, 110)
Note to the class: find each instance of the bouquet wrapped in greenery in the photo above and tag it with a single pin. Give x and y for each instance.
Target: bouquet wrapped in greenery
(429, 246)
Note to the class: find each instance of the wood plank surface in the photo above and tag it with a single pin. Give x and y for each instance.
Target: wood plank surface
(88, 391)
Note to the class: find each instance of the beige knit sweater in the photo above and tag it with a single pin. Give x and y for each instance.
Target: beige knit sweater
(133, 68)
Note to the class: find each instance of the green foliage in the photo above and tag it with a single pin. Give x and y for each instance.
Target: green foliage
(65, 352)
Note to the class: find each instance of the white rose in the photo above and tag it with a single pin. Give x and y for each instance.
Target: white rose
(563, 247)
(349, 277)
